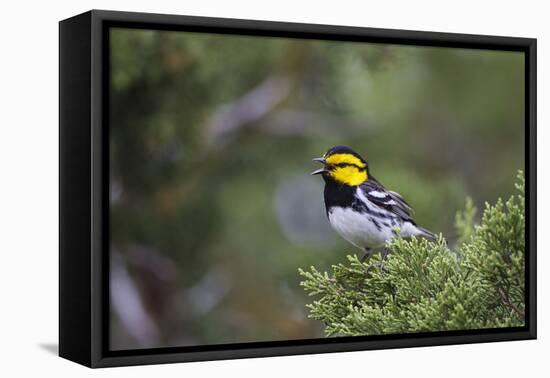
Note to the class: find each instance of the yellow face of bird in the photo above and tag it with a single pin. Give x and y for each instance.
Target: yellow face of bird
(344, 168)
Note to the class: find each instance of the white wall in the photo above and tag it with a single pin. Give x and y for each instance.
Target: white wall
(28, 167)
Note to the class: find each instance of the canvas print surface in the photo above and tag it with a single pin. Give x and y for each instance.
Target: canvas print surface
(412, 221)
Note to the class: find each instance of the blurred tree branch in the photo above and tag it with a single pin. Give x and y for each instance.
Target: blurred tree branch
(248, 108)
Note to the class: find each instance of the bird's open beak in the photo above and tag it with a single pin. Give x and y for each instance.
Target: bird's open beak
(321, 170)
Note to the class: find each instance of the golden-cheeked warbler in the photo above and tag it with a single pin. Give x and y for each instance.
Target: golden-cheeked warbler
(358, 207)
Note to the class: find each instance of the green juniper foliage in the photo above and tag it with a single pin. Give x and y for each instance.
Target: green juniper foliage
(425, 286)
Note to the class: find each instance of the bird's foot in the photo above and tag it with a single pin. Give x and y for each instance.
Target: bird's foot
(381, 266)
(366, 256)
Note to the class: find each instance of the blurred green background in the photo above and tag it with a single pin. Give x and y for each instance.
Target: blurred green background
(211, 139)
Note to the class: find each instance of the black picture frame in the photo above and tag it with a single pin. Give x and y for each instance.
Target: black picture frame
(83, 182)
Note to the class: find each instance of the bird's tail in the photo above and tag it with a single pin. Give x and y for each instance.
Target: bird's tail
(425, 233)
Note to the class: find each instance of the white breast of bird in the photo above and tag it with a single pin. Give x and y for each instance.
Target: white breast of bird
(358, 228)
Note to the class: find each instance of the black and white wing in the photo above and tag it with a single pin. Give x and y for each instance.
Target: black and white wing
(386, 199)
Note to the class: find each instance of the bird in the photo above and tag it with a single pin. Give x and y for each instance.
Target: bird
(359, 208)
